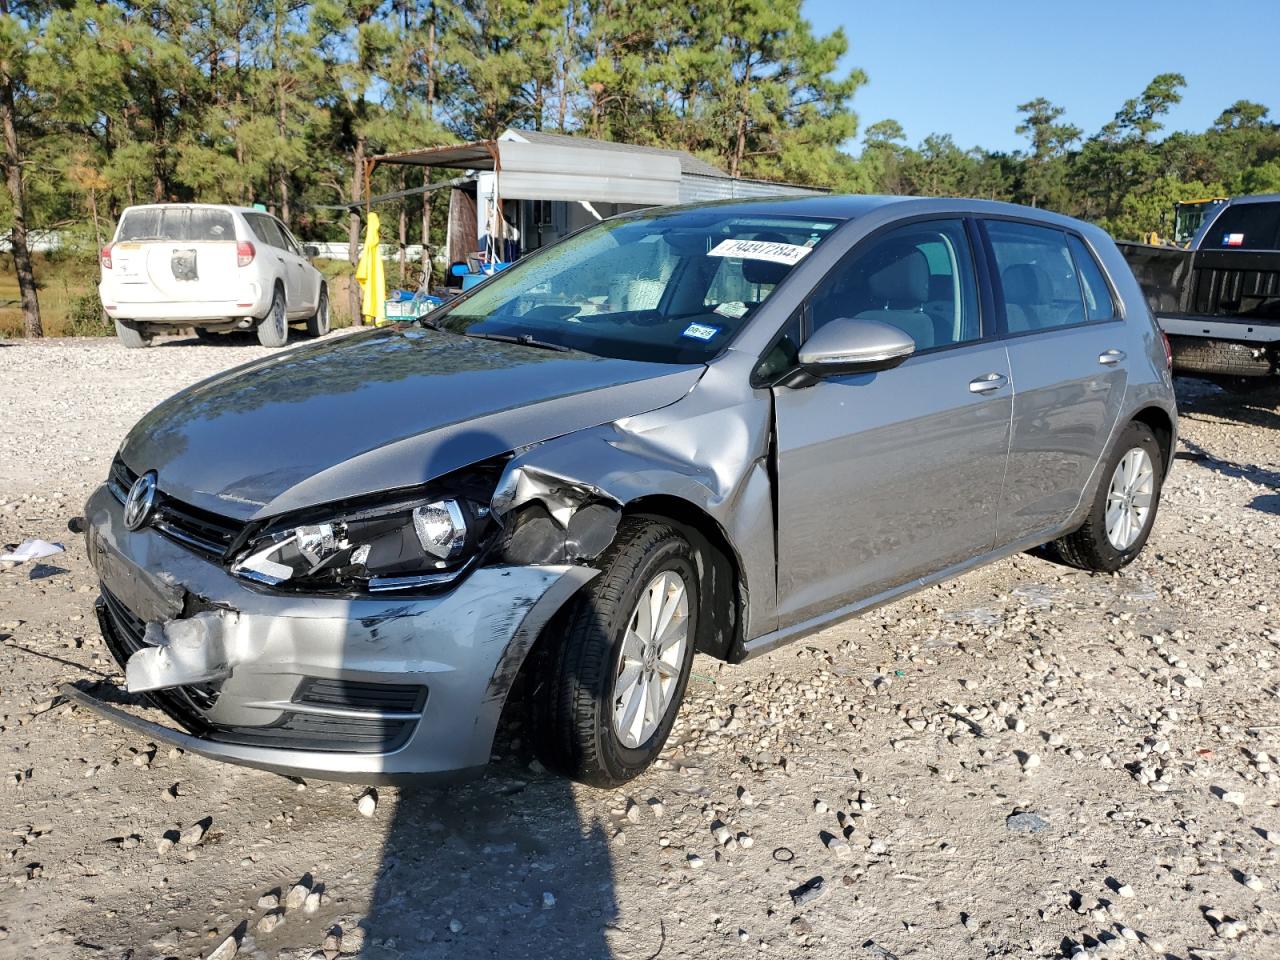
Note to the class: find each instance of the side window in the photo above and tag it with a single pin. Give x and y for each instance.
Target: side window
(264, 228)
(1098, 304)
(918, 278)
(1037, 276)
(783, 354)
(286, 238)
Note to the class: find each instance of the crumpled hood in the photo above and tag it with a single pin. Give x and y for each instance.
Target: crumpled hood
(377, 411)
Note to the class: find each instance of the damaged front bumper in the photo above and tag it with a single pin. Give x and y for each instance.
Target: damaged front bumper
(362, 689)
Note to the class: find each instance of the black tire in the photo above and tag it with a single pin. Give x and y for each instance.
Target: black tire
(1198, 357)
(132, 335)
(209, 336)
(273, 329)
(318, 322)
(571, 699)
(1089, 548)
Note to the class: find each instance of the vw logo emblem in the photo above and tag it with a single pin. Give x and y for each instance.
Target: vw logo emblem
(141, 498)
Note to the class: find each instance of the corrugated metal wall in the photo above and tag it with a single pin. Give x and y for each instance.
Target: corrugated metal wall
(695, 188)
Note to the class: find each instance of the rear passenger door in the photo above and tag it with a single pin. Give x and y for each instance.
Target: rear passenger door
(884, 478)
(276, 258)
(1066, 343)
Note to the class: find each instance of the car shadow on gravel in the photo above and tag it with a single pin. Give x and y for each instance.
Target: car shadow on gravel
(1259, 408)
(1195, 453)
(1267, 503)
(501, 867)
(512, 864)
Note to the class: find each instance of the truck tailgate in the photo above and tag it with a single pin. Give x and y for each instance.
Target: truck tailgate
(1239, 284)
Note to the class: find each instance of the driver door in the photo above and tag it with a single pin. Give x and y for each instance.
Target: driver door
(885, 478)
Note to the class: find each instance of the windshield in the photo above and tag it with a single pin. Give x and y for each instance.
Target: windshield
(667, 288)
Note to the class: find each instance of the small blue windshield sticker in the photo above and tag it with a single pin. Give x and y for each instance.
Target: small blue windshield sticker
(700, 331)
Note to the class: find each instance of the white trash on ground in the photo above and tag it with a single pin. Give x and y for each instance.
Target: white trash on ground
(32, 550)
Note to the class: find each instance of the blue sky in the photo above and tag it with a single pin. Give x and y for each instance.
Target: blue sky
(961, 67)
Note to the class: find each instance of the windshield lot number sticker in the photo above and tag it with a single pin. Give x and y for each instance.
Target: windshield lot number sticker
(700, 331)
(788, 253)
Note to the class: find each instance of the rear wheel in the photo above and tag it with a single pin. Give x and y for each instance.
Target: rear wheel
(613, 669)
(132, 335)
(273, 329)
(1124, 508)
(318, 323)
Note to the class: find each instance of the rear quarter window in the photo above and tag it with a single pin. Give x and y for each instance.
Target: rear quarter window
(1098, 301)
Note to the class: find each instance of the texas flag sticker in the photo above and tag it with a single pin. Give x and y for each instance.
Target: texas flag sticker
(1233, 239)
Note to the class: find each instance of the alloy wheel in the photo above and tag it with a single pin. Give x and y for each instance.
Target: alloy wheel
(653, 650)
(1129, 498)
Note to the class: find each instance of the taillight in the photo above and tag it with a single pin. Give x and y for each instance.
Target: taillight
(244, 253)
(105, 257)
(1168, 350)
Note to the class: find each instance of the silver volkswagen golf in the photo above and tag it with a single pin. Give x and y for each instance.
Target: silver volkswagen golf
(714, 428)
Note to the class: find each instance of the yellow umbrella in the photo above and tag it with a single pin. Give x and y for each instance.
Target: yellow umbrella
(370, 274)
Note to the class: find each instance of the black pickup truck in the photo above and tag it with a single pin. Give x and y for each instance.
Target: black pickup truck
(1219, 299)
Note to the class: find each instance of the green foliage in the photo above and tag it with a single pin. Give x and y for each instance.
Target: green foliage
(275, 101)
(85, 317)
(1122, 177)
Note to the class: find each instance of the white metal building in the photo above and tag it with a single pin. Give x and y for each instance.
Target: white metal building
(547, 185)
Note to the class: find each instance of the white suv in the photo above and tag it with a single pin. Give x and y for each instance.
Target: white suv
(214, 268)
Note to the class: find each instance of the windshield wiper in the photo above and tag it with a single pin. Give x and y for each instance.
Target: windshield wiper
(524, 339)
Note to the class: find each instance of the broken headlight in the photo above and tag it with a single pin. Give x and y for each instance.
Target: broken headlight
(413, 547)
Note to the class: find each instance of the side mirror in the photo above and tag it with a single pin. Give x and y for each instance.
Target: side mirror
(310, 250)
(843, 347)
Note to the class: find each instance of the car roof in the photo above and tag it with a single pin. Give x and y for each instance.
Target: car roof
(853, 206)
(202, 206)
(1255, 198)
(845, 207)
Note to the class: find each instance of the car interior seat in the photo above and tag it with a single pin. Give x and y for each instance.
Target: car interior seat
(765, 272)
(1027, 297)
(897, 287)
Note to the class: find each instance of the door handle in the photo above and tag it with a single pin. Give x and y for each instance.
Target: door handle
(987, 383)
(1111, 357)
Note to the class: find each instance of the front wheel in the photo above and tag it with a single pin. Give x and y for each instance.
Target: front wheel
(318, 324)
(273, 329)
(613, 669)
(1124, 508)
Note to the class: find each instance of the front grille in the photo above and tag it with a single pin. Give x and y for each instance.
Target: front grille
(310, 731)
(123, 631)
(206, 532)
(343, 734)
(355, 695)
(120, 479)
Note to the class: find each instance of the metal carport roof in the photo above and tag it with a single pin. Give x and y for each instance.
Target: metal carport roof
(555, 171)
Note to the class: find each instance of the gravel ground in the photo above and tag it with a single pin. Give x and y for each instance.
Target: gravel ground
(1027, 762)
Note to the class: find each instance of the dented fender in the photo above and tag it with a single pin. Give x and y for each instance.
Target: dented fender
(561, 500)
